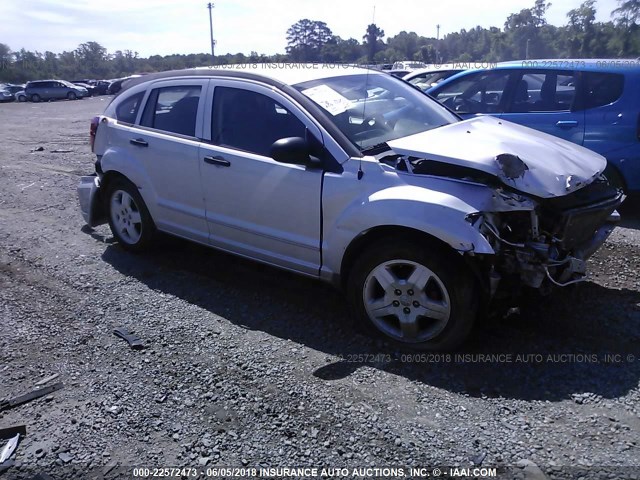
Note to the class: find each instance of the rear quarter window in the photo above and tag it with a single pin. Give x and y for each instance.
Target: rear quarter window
(127, 109)
(601, 88)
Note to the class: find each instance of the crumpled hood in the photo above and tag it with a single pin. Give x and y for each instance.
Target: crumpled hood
(550, 166)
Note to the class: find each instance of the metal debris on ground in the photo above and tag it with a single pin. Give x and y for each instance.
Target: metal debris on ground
(47, 379)
(9, 448)
(134, 341)
(27, 397)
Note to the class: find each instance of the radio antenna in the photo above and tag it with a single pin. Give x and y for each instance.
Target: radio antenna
(366, 94)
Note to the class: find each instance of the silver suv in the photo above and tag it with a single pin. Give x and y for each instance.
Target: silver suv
(356, 178)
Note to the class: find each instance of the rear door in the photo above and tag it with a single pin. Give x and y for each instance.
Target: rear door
(611, 121)
(546, 101)
(45, 89)
(164, 146)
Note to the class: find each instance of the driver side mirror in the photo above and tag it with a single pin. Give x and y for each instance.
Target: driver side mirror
(293, 150)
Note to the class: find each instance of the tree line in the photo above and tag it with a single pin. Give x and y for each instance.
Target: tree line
(525, 35)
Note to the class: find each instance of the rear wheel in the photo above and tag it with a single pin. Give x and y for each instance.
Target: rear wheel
(416, 295)
(35, 97)
(129, 218)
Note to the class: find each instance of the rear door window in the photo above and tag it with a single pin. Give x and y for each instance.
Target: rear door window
(173, 109)
(601, 88)
(543, 91)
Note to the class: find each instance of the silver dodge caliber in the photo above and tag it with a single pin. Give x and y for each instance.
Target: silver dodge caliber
(354, 177)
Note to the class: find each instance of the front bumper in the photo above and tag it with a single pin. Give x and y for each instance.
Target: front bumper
(90, 201)
(551, 245)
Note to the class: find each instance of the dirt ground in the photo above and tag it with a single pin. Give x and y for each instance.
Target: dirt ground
(250, 367)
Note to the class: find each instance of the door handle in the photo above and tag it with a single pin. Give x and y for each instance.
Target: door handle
(567, 123)
(139, 142)
(220, 161)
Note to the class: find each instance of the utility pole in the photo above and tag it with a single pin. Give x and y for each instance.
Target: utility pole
(438, 44)
(526, 54)
(210, 6)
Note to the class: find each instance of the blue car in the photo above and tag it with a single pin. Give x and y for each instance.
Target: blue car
(594, 103)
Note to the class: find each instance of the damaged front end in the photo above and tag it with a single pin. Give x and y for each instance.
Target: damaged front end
(548, 207)
(538, 242)
(550, 243)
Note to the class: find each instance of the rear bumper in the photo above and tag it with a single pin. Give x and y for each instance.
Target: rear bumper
(90, 201)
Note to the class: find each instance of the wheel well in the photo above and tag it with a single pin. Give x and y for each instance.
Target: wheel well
(477, 265)
(108, 178)
(365, 239)
(617, 175)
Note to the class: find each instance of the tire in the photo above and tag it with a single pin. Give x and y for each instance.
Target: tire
(72, 96)
(129, 218)
(22, 98)
(416, 275)
(35, 98)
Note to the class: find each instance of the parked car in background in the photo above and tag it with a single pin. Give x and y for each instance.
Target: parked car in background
(377, 66)
(425, 78)
(90, 88)
(21, 96)
(5, 95)
(101, 87)
(398, 72)
(116, 85)
(356, 178)
(408, 65)
(593, 103)
(13, 89)
(54, 90)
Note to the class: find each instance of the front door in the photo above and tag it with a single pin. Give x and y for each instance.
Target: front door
(256, 206)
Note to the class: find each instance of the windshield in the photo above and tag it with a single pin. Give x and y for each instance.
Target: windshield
(375, 108)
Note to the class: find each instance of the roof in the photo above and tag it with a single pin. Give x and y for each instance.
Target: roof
(600, 64)
(275, 73)
(279, 75)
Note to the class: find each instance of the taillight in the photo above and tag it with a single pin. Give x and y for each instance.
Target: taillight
(92, 131)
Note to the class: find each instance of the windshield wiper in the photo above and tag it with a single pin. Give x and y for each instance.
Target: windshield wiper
(376, 149)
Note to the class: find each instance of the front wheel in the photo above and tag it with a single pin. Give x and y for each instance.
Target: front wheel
(71, 96)
(22, 98)
(417, 295)
(35, 98)
(129, 219)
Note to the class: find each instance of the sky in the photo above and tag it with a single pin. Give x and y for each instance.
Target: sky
(163, 27)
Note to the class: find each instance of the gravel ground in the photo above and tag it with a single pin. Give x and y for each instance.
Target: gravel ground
(247, 366)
